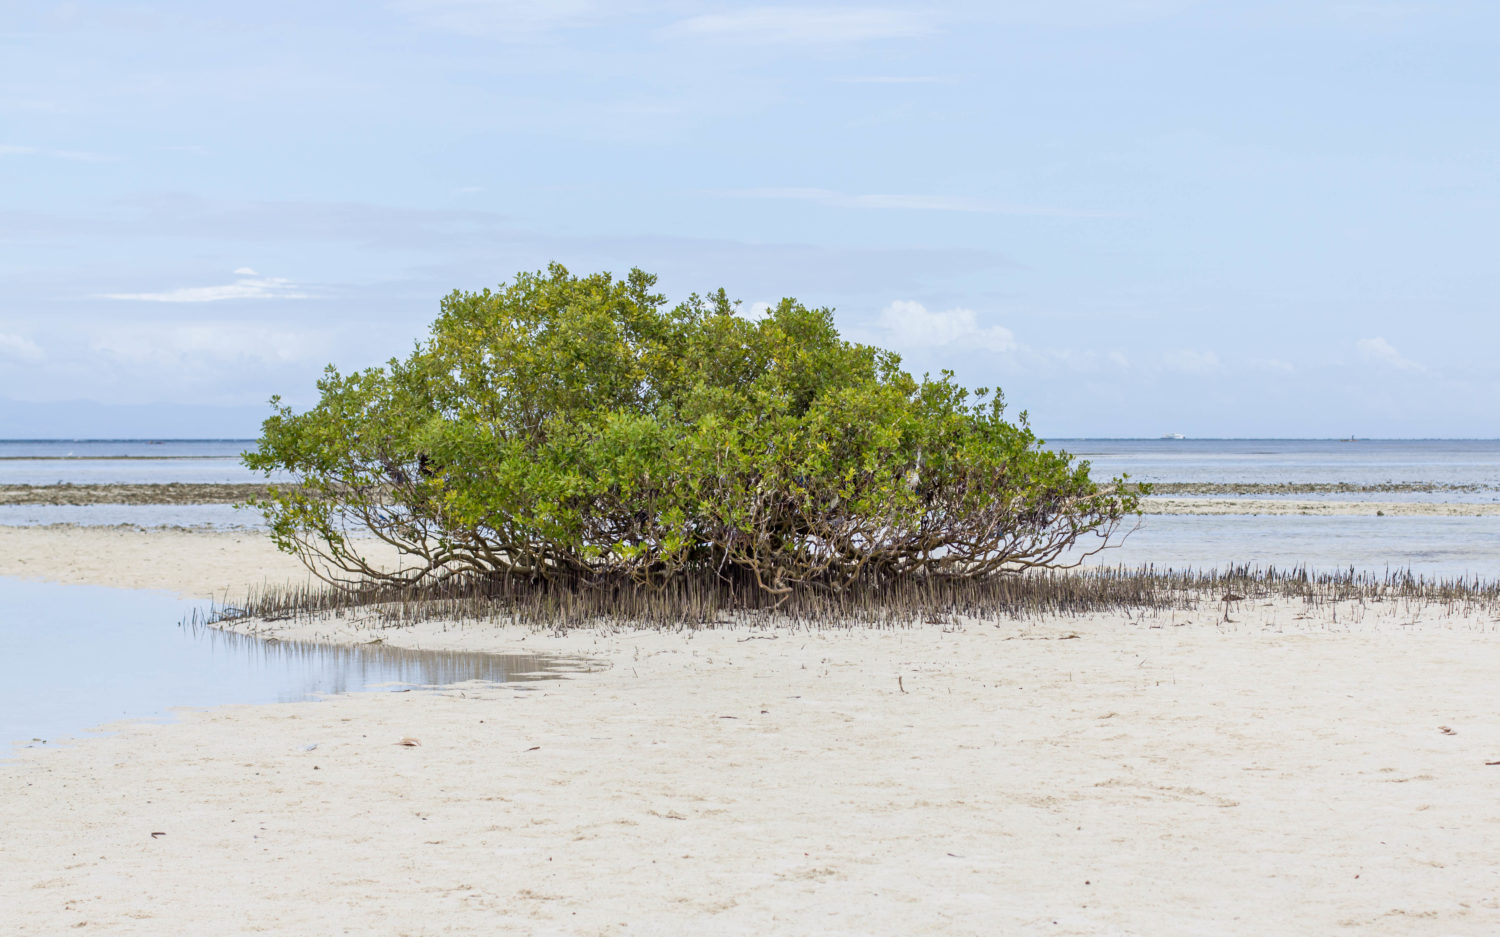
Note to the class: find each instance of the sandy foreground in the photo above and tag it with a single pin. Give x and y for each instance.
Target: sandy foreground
(191, 562)
(1282, 773)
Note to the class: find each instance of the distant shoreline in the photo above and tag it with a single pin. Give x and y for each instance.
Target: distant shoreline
(107, 458)
(1167, 498)
(127, 493)
(154, 440)
(145, 440)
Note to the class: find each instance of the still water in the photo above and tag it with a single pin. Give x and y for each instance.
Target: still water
(1434, 547)
(214, 516)
(74, 657)
(1463, 471)
(123, 461)
(1472, 465)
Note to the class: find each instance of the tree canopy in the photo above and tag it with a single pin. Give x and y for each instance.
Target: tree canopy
(574, 429)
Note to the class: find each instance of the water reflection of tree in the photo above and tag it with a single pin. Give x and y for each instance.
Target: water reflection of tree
(326, 669)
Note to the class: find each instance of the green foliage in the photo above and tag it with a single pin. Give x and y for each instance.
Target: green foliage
(576, 428)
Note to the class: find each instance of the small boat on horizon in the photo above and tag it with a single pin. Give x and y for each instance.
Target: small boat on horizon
(1173, 436)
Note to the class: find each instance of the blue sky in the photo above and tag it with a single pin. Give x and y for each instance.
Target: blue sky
(1136, 217)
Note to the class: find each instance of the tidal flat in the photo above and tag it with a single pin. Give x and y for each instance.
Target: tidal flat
(1137, 773)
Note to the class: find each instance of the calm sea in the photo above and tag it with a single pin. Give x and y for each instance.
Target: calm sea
(116, 461)
(1458, 471)
(1468, 468)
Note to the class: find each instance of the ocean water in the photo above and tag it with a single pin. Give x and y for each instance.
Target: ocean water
(1455, 472)
(123, 461)
(1467, 467)
(1462, 471)
(1434, 547)
(127, 461)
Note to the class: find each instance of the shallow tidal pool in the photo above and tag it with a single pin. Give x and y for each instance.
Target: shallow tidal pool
(76, 657)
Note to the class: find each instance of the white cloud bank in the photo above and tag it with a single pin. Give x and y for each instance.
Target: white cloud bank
(250, 285)
(912, 325)
(17, 346)
(794, 24)
(755, 311)
(502, 19)
(1272, 365)
(77, 156)
(894, 80)
(178, 345)
(949, 203)
(1379, 352)
(1192, 361)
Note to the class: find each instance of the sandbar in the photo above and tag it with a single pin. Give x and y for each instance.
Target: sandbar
(1320, 508)
(1290, 770)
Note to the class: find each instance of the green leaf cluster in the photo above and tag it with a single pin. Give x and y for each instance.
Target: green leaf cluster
(571, 428)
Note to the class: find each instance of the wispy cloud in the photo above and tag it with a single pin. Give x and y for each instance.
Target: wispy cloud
(1077, 360)
(77, 156)
(895, 80)
(1192, 361)
(200, 343)
(1079, 14)
(907, 325)
(1379, 352)
(35, 105)
(945, 203)
(183, 216)
(428, 252)
(250, 285)
(502, 19)
(18, 346)
(802, 25)
(755, 311)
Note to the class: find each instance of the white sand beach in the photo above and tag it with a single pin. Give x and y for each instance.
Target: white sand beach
(1286, 772)
(192, 562)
